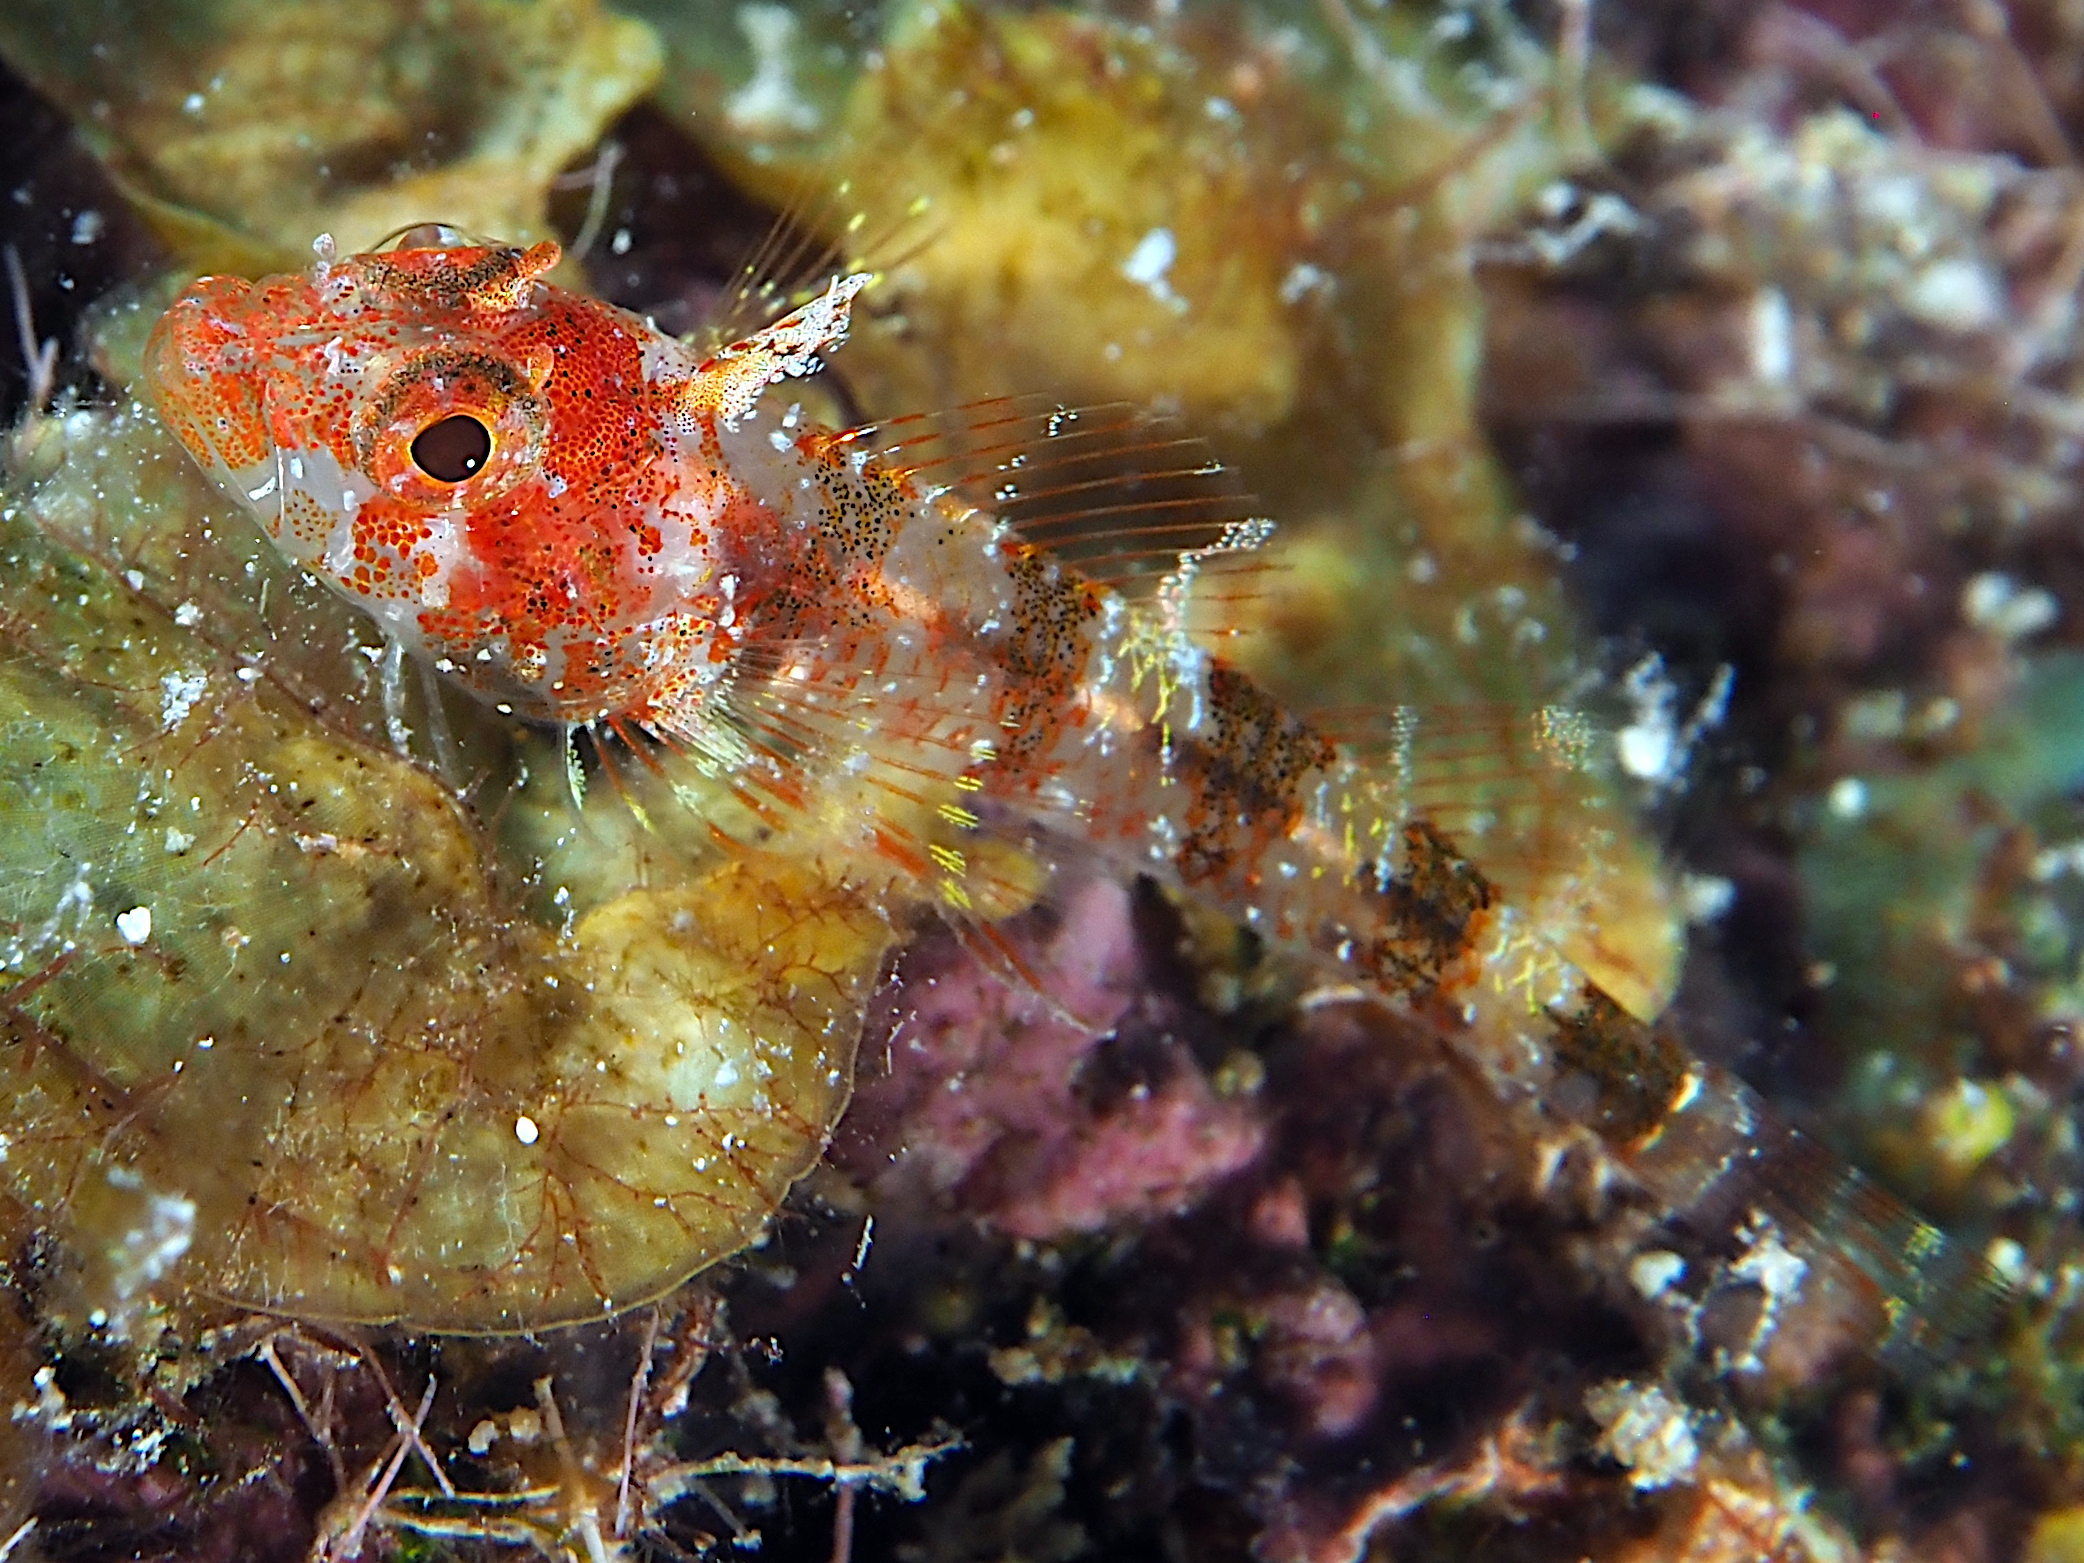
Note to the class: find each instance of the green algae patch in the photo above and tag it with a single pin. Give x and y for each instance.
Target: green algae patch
(279, 1027)
(1910, 882)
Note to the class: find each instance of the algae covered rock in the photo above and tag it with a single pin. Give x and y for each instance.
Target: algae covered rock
(483, 1058)
(245, 128)
(281, 1029)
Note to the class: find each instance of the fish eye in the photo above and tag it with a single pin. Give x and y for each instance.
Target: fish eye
(453, 448)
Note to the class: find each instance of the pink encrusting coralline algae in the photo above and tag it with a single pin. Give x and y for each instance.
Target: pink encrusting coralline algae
(946, 656)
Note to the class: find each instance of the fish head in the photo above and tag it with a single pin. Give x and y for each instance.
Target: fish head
(455, 444)
(361, 404)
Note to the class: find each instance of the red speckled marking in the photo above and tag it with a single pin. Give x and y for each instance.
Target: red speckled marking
(549, 551)
(218, 415)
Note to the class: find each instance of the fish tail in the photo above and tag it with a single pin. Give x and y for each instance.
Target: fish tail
(1780, 1260)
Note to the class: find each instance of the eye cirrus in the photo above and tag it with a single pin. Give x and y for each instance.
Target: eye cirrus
(452, 449)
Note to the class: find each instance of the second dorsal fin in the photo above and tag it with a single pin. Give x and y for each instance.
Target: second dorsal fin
(1531, 797)
(1124, 496)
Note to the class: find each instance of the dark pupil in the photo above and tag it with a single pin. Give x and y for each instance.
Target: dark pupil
(453, 449)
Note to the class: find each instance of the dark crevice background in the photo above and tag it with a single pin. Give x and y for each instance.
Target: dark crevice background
(71, 231)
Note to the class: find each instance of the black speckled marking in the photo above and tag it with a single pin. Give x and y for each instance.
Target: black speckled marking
(1432, 913)
(1045, 650)
(858, 512)
(858, 518)
(488, 279)
(1247, 769)
(1636, 1068)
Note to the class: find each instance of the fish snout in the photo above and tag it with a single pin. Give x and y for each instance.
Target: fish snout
(203, 376)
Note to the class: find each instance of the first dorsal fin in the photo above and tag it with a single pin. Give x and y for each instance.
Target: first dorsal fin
(836, 229)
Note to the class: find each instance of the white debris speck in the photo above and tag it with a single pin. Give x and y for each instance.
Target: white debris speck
(135, 925)
(194, 103)
(88, 226)
(178, 694)
(1768, 1260)
(2008, 1259)
(1149, 262)
(188, 615)
(1993, 602)
(1302, 280)
(1955, 295)
(769, 101)
(178, 841)
(1847, 798)
(1705, 898)
(482, 1437)
(525, 1130)
(1648, 744)
(1597, 214)
(1654, 1273)
(158, 1236)
(2052, 863)
(1777, 1271)
(48, 1409)
(162, 1238)
(1656, 746)
(1152, 258)
(1644, 1430)
(1772, 337)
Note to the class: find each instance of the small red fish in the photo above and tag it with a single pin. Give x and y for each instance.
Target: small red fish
(872, 635)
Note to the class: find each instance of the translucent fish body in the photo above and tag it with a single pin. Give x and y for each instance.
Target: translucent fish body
(874, 636)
